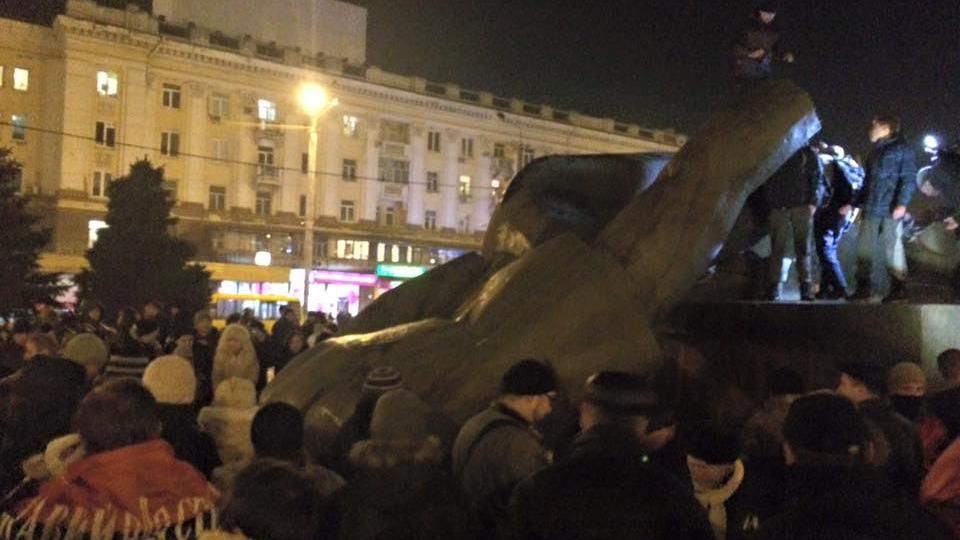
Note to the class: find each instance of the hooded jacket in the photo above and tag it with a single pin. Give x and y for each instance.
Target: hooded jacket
(137, 491)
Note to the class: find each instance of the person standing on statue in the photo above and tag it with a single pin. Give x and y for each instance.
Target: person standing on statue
(758, 45)
(844, 178)
(889, 185)
(793, 195)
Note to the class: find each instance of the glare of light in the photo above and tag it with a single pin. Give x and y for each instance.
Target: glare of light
(262, 258)
(314, 99)
(495, 183)
(930, 142)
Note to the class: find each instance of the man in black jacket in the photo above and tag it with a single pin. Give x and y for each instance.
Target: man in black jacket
(889, 185)
(607, 489)
(758, 45)
(844, 178)
(793, 194)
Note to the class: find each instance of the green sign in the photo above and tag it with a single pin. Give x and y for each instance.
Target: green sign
(400, 271)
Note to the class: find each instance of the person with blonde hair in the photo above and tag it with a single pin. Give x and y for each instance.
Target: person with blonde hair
(235, 356)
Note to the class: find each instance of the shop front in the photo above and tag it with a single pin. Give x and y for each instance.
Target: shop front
(334, 292)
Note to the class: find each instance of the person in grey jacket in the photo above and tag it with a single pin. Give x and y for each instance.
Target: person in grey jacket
(499, 447)
(888, 187)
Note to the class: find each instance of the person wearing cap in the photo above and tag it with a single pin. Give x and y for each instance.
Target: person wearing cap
(500, 446)
(356, 428)
(897, 444)
(758, 44)
(908, 396)
(835, 492)
(608, 488)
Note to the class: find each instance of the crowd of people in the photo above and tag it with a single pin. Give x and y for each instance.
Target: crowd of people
(182, 447)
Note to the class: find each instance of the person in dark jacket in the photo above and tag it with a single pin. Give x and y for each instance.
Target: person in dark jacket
(11, 353)
(173, 384)
(793, 194)
(205, 339)
(285, 326)
(403, 489)
(758, 45)
(606, 489)
(897, 444)
(39, 401)
(500, 446)
(888, 187)
(356, 428)
(844, 178)
(945, 404)
(834, 492)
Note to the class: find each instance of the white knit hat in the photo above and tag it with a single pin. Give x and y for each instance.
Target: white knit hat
(171, 380)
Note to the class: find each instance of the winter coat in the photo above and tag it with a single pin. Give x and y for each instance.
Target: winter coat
(402, 491)
(243, 364)
(138, 491)
(204, 350)
(891, 178)
(39, 404)
(753, 35)
(945, 405)
(328, 482)
(229, 418)
(355, 429)
(11, 358)
(605, 491)
(847, 504)
(844, 180)
(190, 444)
(799, 182)
(494, 451)
(905, 464)
(940, 491)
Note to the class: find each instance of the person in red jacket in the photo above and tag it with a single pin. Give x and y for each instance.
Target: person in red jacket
(130, 485)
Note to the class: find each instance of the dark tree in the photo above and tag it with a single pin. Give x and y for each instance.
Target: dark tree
(136, 259)
(21, 242)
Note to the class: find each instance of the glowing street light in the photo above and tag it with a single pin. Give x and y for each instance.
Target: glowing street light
(931, 143)
(314, 101)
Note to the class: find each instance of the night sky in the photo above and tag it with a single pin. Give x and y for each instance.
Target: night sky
(663, 63)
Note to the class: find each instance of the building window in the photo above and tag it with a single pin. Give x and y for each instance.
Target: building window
(351, 126)
(353, 249)
(170, 143)
(18, 125)
(464, 225)
(527, 156)
(396, 132)
(218, 198)
(381, 251)
(499, 151)
(430, 220)
(266, 110)
(218, 149)
(464, 188)
(304, 163)
(265, 163)
(98, 188)
(433, 182)
(219, 107)
(395, 254)
(105, 134)
(263, 203)
(303, 206)
(390, 216)
(1, 76)
(433, 141)
(107, 83)
(21, 79)
(393, 170)
(466, 147)
(171, 96)
(347, 211)
(94, 226)
(349, 173)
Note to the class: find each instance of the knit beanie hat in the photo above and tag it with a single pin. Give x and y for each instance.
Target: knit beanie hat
(712, 444)
(235, 393)
(870, 375)
(399, 415)
(87, 350)
(382, 380)
(903, 374)
(528, 378)
(171, 380)
(277, 431)
(825, 423)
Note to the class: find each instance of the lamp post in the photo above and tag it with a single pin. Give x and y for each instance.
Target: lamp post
(314, 101)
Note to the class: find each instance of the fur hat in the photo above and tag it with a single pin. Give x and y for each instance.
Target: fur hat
(712, 444)
(825, 423)
(171, 380)
(382, 380)
(903, 374)
(87, 350)
(528, 378)
(235, 393)
(399, 415)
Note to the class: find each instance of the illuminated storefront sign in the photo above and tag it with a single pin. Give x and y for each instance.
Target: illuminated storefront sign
(400, 271)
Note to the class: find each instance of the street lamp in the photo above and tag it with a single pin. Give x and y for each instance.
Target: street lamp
(314, 102)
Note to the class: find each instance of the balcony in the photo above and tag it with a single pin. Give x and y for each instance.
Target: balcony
(269, 130)
(268, 175)
(392, 191)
